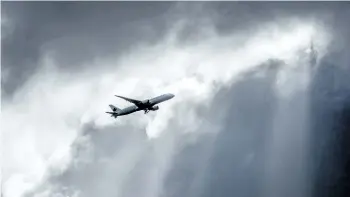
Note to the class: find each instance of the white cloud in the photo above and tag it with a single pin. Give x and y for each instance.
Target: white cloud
(42, 120)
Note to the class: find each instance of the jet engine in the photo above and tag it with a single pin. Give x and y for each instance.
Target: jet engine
(154, 108)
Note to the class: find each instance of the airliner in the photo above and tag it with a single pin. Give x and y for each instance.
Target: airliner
(145, 105)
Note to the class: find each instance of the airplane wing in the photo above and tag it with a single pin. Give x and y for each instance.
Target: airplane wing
(136, 102)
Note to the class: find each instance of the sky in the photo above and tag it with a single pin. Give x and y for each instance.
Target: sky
(260, 108)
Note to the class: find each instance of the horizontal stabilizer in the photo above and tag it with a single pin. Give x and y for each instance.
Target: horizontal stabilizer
(113, 114)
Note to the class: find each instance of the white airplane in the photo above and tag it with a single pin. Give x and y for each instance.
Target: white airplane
(146, 105)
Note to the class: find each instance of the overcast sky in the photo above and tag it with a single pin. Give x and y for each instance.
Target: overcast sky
(250, 94)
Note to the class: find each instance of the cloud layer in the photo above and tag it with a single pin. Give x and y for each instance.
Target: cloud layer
(228, 86)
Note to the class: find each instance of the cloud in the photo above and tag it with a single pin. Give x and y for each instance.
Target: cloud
(198, 133)
(80, 33)
(74, 32)
(51, 111)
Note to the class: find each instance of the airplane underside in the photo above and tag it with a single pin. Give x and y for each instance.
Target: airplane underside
(152, 108)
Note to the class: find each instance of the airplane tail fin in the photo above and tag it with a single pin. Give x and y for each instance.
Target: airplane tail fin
(114, 108)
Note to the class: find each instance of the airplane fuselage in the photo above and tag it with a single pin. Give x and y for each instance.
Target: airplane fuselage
(148, 104)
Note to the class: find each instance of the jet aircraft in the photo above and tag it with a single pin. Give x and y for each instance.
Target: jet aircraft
(145, 105)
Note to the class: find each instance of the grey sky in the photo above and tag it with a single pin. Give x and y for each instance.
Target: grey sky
(230, 164)
(78, 32)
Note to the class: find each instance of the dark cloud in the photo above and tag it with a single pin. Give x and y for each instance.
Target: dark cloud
(78, 32)
(237, 166)
(75, 32)
(330, 128)
(229, 164)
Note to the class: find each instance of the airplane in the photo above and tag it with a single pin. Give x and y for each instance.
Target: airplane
(145, 105)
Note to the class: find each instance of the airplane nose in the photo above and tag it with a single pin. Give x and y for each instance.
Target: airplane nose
(171, 95)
